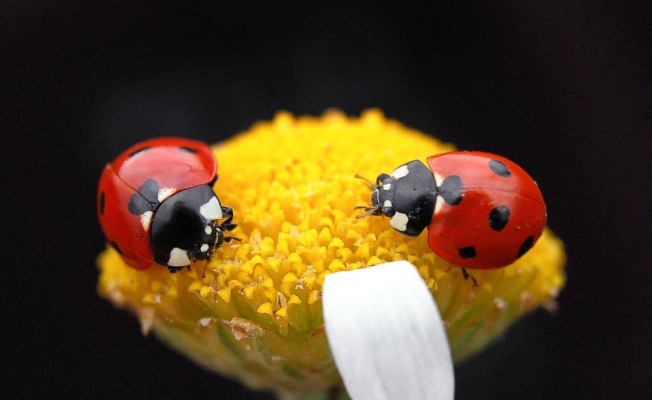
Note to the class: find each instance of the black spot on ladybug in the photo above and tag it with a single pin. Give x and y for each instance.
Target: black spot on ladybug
(451, 190)
(133, 153)
(102, 202)
(467, 252)
(149, 190)
(499, 168)
(146, 199)
(499, 217)
(116, 247)
(527, 245)
(188, 150)
(139, 205)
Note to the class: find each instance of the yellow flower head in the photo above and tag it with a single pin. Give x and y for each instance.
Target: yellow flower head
(256, 314)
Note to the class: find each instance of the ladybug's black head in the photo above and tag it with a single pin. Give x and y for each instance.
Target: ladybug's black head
(407, 196)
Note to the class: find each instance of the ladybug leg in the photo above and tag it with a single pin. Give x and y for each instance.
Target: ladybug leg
(228, 214)
(467, 276)
(227, 225)
(203, 271)
(174, 270)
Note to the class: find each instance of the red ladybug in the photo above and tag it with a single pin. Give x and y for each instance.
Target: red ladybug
(482, 211)
(156, 204)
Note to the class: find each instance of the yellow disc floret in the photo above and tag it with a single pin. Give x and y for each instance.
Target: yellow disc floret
(256, 312)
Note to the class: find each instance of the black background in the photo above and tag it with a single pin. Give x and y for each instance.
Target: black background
(561, 88)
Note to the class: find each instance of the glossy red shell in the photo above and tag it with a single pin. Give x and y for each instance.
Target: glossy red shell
(175, 163)
(466, 225)
(160, 159)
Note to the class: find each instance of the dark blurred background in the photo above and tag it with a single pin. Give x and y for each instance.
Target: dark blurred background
(563, 88)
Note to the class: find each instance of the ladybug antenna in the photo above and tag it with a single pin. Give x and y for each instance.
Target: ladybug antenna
(371, 184)
(366, 211)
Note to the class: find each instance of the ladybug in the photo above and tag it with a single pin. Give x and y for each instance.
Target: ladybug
(482, 210)
(156, 204)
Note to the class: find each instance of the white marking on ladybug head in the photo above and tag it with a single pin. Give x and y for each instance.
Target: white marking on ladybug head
(178, 258)
(212, 210)
(439, 203)
(164, 193)
(400, 172)
(399, 222)
(146, 220)
(387, 186)
(438, 179)
(204, 248)
(387, 204)
(208, 230)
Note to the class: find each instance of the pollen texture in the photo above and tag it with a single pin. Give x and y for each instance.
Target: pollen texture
(256, 312)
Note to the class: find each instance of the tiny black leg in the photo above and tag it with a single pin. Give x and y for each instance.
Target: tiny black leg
(203, 272)
(229, 239)
(467, 276)
(228, 214)
(227, 225)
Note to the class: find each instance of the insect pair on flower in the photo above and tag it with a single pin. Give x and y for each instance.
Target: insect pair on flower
(156, 204)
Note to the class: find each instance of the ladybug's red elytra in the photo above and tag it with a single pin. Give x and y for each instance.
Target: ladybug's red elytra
(482, 210)
(156, 204)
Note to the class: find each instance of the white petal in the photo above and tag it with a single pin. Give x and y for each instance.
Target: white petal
(386, 335)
